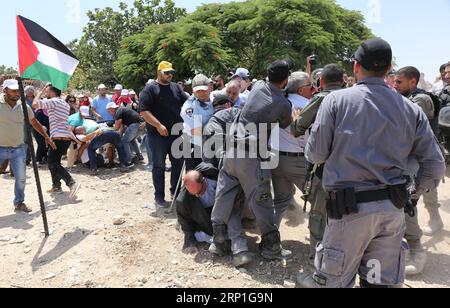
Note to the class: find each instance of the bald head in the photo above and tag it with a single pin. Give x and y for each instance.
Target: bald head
(195, 183)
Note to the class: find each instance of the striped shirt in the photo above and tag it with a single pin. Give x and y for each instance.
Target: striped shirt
(58, 113)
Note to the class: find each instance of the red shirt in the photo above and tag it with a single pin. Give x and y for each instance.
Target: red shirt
(123, 102)
(85, 103)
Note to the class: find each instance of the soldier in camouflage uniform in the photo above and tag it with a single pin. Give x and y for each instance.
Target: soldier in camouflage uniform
(332, 80)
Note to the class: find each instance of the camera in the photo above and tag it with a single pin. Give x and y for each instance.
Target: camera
(313, 60)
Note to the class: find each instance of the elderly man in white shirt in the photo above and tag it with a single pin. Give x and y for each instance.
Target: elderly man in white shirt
(291, 170)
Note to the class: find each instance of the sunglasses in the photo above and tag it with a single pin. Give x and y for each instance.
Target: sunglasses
(169, 73)
(72, 101)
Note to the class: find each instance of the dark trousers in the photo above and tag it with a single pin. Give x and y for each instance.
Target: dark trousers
(192, 162)
(42, 149)
(161, 147)
(57, 171)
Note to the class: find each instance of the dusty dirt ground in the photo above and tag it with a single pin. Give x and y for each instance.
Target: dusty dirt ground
(86, 249)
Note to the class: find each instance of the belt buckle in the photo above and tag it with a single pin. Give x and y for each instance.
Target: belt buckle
(333, 195)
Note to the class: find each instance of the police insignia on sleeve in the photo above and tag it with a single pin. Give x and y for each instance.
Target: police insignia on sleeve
(190, 112)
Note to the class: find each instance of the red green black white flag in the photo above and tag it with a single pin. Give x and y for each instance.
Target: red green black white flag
(42, 56)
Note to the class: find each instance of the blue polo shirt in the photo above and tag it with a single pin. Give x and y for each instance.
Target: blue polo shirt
(99, 104)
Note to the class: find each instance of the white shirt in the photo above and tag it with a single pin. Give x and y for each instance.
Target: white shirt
(287, 142)
(85, 156)
(437, 87)
(244, 97)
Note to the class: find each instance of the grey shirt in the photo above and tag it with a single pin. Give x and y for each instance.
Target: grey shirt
(266, 104)
(365, 134)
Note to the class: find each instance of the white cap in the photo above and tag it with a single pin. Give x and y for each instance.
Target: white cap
(118, 87)
(200, 83)
(102, 86)
(125, 93)
(132, 92)
(84, 110)
(242, 73)
(112, 105)
(11, 84)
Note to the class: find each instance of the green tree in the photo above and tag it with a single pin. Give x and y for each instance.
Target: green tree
(251, 34)
(99, 46)
(7, 70)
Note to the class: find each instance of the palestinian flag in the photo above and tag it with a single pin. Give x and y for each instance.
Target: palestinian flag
(42, 56)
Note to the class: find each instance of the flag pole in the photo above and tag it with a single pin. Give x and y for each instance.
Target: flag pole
(33, 155)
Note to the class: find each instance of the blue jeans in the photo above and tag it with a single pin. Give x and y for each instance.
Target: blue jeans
(161, 147)
(146, 142)
(129, 141)
(16, 157)
(111, 137)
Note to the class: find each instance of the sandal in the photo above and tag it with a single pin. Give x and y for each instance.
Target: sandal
(23, 208)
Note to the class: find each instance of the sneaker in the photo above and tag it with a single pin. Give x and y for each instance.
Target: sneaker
(94, 172)
(55, 190)
(22, 208)
(126, 168)
(74, 190)
(162, 203)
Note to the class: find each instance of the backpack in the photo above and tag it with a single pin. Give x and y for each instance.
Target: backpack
(437, 108)
(436, 100)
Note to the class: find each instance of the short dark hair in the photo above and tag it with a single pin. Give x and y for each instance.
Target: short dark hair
(443, 66)
(410, 72)
(55, 90)
(333, 74)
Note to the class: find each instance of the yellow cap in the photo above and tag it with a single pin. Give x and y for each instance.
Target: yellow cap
(165, 67)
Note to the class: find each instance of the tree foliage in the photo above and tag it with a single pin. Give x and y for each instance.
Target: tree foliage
(99, 46)
(251, 34)
(7, 70)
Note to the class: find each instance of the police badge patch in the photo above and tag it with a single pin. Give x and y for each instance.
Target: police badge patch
(190, 112)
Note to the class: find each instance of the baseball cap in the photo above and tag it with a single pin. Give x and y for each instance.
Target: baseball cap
(242, 73)
(374, 55)
(221, 99)
(200, 83)
(165, 66)
(102, 86)
(84, 110)
(279, 71)
(118, 87)
(11, 84)
(132, 92)
(125, 93)
(112, 105)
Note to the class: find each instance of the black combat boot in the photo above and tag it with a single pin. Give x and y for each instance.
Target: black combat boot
(270, 247)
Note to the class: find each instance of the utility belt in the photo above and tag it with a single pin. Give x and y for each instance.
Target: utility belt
(289, 154)
(345, 202)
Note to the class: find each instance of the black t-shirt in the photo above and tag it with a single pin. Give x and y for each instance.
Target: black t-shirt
(128, 116)
(164, 102)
